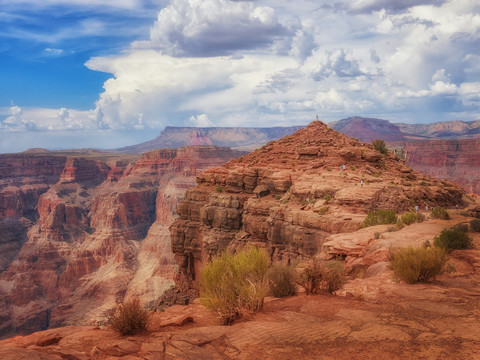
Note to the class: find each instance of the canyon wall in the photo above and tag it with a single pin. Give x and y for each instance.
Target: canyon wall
(455, 160)
(80, 232)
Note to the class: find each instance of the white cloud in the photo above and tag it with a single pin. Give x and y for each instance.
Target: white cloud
(201, 121)
(213, 27)
(263, 63)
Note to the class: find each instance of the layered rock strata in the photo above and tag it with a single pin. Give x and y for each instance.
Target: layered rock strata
(80, 232)
(291, 195)
(455, 160)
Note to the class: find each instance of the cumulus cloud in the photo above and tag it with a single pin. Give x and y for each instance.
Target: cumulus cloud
(201, 121)
(258, 63)
(214, 27)
(338, 63)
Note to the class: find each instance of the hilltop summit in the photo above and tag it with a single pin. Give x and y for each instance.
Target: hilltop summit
(292, 195)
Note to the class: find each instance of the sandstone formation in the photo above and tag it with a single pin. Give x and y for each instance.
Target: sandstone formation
(293, 195)
(80, 231)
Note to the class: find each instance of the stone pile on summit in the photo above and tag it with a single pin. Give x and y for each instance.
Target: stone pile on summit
(293, 194)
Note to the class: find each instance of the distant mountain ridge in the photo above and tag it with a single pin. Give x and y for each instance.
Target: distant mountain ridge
(238, 138)
(368, 129)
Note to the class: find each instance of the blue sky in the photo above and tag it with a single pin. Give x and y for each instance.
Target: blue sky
(109, 73)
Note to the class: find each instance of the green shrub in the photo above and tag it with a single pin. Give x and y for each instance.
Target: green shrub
(327, 198)
(129, 318)
(234, 284)
(475, 225)
(380, 217)
(316, 274)
(380, 146)
(281, 280)
(455, 237)
(420, 217)
(409, 218)
(219, 189)
(439, 212)
(323, 210)
(418, 264)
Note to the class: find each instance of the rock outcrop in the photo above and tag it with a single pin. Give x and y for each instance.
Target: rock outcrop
(80, 231)
(293, 194)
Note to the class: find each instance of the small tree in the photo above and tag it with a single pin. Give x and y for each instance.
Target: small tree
(380, 146)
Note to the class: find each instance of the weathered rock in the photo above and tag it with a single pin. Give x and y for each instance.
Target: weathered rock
(293, 195)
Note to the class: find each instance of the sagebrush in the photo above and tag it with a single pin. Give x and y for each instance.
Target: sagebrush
(414, 265)
(315, 275)
(439, 212)
(380, 145)
(475, 225)
(233, 285)
(380, 217)
(454, 238)
(409, 218)
(129, 317)
(282, 280)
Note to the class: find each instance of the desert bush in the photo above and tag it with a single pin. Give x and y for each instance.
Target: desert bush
(233, 285)
(418, 264)
(219, 189)
(323, 210)
(380, 146)
(129, 318)
(453, 238)
(380, 217)
(281, 280)
(317, 275)
(420, 217)
(475, 225)
(439, 212)
(409, 218)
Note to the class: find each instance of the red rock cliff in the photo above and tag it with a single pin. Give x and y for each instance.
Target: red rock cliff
(79, 232)
(455, 160)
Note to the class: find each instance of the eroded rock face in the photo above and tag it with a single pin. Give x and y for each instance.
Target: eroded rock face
(79, 232)
(455, 160)
(292, 195)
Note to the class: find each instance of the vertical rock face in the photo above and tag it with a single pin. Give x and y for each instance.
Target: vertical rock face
(456, 160)
(292, 194)
(79, 232)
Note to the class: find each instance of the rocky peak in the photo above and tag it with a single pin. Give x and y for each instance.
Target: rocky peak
(292, 194)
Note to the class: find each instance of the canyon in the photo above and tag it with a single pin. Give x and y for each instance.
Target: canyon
(82, 230)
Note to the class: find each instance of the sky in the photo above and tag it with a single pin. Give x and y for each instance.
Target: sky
(112, 73)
